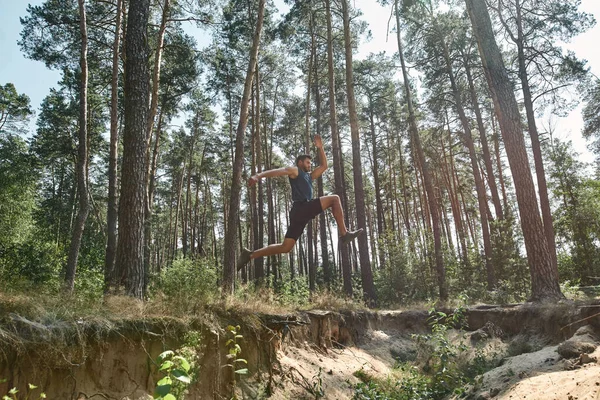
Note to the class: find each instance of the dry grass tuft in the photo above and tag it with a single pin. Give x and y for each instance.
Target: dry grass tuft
(330, 301)
(263, 301)
(16, 303)
(125, 307)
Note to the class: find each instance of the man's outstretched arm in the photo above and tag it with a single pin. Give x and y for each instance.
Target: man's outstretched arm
(286, 171)
(317, 172)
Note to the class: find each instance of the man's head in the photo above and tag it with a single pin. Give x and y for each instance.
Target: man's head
(303, 162)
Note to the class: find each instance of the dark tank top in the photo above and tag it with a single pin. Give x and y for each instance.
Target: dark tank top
(301, 186)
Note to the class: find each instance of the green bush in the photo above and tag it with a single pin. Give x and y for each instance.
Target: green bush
(34, 262)
(188, 282)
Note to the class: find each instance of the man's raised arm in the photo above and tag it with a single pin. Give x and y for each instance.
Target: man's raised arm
(317, 172)
(286, 171)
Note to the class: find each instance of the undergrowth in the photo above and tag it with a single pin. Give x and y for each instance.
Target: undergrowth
(442, 367)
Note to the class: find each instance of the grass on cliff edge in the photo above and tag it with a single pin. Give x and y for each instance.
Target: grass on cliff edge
(47, 321)
(42, 304)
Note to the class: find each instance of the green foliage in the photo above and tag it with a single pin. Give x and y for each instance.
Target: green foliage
(577, 218)
(294, 292)
(403, 277)
(442, 370)
(439, 354)
(17, 191)
(36, 262)
(15, 109)
(414, 385)
(233, 356)
(188, 282)
(176, 370)
(571, 290)
(591, 118)
(392, 280)
(368, 391)
(13, 394)
(512, 271)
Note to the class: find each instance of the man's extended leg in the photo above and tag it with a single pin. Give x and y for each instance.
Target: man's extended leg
(270, 250)
(273, 249)
(334, 202)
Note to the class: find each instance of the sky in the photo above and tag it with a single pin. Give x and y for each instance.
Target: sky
(35, 80)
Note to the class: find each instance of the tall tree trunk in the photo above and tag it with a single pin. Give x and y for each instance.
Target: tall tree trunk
(377, 185)
(259, 264)
(112, 202)
(535, 141)
(236, 183)
(196, 222)
(454, 207)
(544, 275)
(156, 72)
(328, 276)
(312, 268)
(409, 233)
(253, 231)
(359, 191)
(150, 195)
(268, 147)
(495, 137)
(175, 232)
(130, 249)
(151, 165)
(186, 221)
(479, 187)
(433, 206)
(337, 154)
(82, 157)
(484, 142)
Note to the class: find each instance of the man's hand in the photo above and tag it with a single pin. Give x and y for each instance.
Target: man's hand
(252, 180)
(318, 142)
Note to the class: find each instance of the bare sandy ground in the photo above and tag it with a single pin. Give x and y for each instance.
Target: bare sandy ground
(308, 372)
(544, 375)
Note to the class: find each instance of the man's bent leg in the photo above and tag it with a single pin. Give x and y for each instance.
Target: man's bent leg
(273, 249)
(335, 204)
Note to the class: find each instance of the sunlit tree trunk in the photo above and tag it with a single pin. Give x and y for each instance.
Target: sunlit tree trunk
(416, 139)
(259, 264)
(236, 183)
(544, 275)
(479, 187)
(82, 156)
(312, 269)
(359, 191)
(130, 249)
(322, 217)
(337, 155)
(112, 202)
(484, 142)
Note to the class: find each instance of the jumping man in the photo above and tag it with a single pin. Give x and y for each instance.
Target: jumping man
(304, 208)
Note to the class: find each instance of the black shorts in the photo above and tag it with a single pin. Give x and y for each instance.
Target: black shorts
(300, 214)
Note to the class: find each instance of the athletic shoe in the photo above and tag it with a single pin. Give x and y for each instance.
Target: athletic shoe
(244, 259)
(351, 235)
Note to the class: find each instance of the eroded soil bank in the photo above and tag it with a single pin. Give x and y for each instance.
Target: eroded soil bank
(305, 355)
